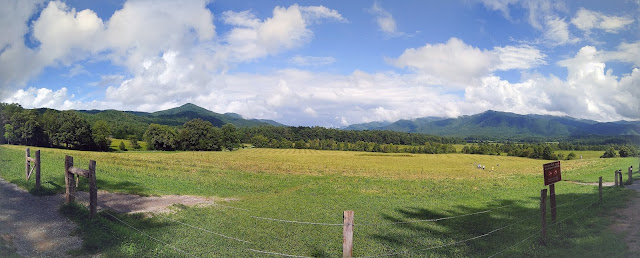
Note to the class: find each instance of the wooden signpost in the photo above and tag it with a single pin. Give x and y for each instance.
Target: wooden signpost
(551, 176)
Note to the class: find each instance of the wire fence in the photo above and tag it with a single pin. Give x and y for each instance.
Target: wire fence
(522, 221)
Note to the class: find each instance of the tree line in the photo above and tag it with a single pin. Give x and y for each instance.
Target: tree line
(548, 150)
(71, 129)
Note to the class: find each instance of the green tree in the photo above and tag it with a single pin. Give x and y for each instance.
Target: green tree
(199, 135)
(134, 141)
(610, 153)
(260, 141)
(160, 137)
(101, 135)
(571, 156)
(122, 147)
(9, 135)
(75, 131)
(51, 123)
(547, 153)
(230, 137)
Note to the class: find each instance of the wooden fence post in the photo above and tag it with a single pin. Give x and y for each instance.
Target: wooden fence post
(347, 234)
(630, 175)
(68, 179)
(93, 188)
(552, 200)
(616, 176)
(27, 164)
(620, 175)
(600, 188)
(543, 216)
(37, 170)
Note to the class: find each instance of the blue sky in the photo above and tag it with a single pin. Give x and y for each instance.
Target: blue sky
(327, 63)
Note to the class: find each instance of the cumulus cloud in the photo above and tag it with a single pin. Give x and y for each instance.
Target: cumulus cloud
(457, 63)
(37, 98)
(17, 62)
(587, 20)
(288, 28)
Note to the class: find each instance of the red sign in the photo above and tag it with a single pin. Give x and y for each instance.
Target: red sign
(552, 173)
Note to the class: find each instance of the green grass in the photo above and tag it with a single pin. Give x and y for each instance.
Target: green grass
(115, 145)
(317, 186)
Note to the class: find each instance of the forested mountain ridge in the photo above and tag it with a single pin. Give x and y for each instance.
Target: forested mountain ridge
(503, 125)
(133, 122)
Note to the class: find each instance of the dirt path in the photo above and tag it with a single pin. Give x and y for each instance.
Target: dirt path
(33, 225)
(626, 222)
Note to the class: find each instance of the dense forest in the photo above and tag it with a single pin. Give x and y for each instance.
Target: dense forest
(82, 131)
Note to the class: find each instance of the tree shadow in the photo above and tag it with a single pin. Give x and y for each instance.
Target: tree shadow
(109, 232)
(470, 231)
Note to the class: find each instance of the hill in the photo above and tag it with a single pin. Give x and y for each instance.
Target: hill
(503, 125)
(134, 122)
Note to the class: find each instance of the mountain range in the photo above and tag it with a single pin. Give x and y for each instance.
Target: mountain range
(505, 125)
(487, 125)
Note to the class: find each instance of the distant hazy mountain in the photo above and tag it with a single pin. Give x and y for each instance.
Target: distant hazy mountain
(504, 125)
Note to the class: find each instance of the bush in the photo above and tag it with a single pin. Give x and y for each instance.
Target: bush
(611, 153)
(571, 156)
(122, 146)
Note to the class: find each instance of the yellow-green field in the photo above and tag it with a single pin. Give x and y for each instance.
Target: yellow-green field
(115, 145)
(317, 186)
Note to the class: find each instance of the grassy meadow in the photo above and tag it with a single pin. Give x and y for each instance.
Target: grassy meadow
(391, 195)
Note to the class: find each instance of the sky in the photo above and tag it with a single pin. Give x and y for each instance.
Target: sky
(325, 63)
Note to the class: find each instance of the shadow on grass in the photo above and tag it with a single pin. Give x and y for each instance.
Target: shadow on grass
(502, 228)
(112, 234)
(119, 186)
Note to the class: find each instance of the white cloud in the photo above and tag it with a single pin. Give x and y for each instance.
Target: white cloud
(543, 15)
(457, 63)
(286, 29)
(557, 32)
(312, 60)
(63, 32)
(384, 19)
(37, 98)
(518, 57)
(315, 14)
(587, 20)
(17, 62)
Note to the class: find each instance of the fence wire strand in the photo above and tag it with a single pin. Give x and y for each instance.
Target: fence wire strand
(458, 242)
(554, 224)
(208, 231)
(432, 220)
(151, 237)
(298, 222)
(278, 254)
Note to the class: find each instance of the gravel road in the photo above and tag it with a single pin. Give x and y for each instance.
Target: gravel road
(33, 223)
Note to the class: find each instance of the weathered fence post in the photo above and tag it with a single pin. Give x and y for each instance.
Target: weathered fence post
(37, 170)
(347, 234)
(93, 188)
(620, 175)
(630, 175)
(616, 176)
(27, 164)
(543, 216)
(68, 179)
(36, 166)
(600, 188)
